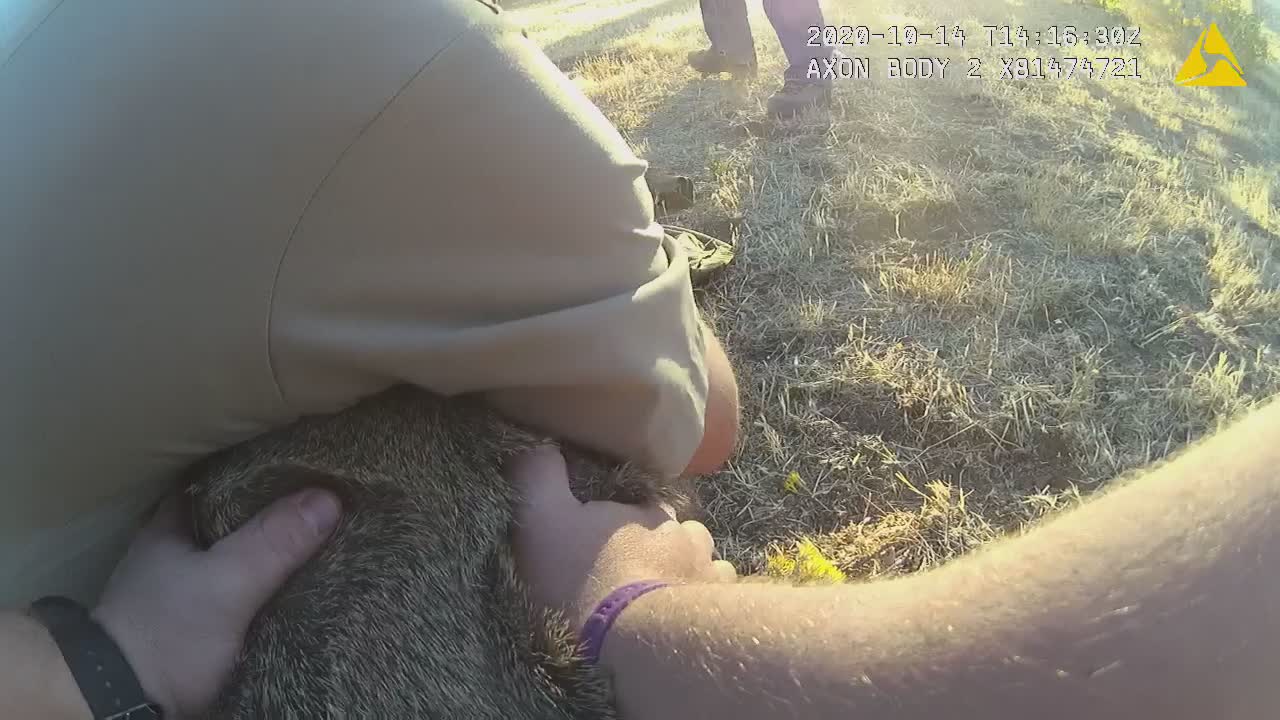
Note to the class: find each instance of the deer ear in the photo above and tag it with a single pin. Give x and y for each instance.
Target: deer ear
(223, 500)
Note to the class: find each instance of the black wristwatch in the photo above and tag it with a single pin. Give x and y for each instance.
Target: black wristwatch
(105, 678)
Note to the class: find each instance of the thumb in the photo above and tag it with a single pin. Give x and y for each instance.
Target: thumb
(542, 479)
(255, 560)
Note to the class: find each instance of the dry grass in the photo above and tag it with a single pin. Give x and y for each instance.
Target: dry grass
(958, 305)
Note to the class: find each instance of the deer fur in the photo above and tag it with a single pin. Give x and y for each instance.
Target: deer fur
(413, 609)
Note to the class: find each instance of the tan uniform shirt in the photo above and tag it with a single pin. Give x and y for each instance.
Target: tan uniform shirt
(216, 216)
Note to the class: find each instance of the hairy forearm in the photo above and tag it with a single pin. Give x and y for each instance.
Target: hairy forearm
(1160, 598)
(34, 679)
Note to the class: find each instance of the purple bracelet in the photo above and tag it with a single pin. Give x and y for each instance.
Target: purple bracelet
(591, 639)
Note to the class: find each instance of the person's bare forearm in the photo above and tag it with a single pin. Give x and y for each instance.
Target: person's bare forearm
(34, 679)
(1160, 598)
(722, 417)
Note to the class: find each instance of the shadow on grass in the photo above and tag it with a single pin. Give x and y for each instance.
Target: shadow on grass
(1143, 121)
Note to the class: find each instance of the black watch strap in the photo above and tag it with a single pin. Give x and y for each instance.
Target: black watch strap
(104, 675)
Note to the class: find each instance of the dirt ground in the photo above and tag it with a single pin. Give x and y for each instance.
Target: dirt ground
(958, 304)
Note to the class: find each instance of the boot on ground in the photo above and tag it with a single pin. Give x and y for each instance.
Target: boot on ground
(796, 96)
(713, 62)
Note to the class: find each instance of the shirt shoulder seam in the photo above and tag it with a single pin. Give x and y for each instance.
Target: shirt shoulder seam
(284, 251)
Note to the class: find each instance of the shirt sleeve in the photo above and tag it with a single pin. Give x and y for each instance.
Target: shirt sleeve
(490, 231)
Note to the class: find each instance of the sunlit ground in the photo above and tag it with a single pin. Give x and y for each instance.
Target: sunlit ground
(958, 304)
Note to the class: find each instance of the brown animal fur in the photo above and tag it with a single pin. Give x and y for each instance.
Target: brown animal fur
(413, 609)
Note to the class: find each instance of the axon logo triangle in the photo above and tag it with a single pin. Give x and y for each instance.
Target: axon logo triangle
(1211, 63)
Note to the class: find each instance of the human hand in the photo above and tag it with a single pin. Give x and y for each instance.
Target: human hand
(180, 614)
(573, 554)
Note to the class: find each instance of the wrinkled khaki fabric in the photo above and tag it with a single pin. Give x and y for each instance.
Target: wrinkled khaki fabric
(708, 256)
(219, 215)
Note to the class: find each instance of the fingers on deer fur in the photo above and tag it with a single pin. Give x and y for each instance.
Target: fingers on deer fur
(413, 607)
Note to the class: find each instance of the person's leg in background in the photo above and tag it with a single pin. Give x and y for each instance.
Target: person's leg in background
(732, 50)
(791, 20)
